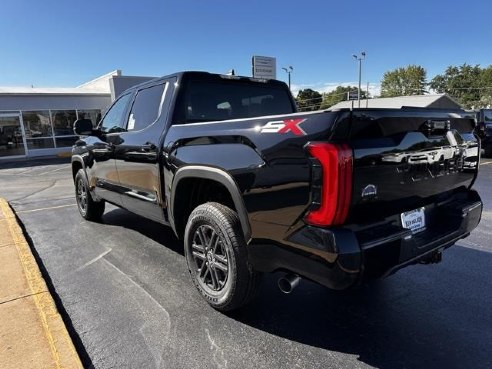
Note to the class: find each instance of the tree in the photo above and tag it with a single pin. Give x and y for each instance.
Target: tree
(486, 92)
(464, 83)
(339, 94)
(407, 81)
(308, 100)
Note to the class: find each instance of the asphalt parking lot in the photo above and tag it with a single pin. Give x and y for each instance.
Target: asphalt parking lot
(127, 295)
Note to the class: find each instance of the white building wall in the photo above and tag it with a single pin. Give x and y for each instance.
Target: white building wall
(100, 83)
(95, 95)
(60, 102)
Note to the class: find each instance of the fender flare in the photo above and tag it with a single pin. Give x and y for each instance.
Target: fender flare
(218, 175)
(79, 159)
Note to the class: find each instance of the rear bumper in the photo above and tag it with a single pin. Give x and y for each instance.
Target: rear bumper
(343, 257)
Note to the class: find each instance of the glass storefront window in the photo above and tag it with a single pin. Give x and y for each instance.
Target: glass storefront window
(37, 124)
(63, 122)
(11, 143)
(93, 115)
(66, 141)
(47, 129)
(40, 143)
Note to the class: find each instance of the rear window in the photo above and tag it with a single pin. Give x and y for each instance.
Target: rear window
(206, 101)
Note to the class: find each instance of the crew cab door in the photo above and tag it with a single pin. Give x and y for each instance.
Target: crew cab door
(103, 174)
(137, 151)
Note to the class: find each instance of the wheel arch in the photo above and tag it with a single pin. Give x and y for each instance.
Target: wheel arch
(219, 176)
(77, 164)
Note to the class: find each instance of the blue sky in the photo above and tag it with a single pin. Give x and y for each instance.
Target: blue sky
(65, 43)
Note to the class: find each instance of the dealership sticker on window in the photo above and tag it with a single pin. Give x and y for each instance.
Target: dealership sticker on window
(131, 122)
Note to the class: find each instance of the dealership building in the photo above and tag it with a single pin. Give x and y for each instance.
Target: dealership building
(39, 121)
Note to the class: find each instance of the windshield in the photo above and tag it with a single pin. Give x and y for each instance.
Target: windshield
(220, 100)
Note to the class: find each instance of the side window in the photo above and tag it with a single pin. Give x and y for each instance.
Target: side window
(114, 120)
(146, 107)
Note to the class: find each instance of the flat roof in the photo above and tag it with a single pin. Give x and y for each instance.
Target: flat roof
(50, 91)
(397, 102)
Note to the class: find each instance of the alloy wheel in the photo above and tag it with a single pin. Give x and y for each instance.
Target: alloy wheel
(210, 258)
(82, 195)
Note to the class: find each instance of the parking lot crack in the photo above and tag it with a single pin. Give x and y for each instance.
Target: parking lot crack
(92, 261)
(155, 335)
(51, 185)
(219, 358)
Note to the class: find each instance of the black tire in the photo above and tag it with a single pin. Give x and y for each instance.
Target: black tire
(216, 254)
(88, 208)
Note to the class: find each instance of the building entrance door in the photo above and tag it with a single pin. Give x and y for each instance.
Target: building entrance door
(12, 139)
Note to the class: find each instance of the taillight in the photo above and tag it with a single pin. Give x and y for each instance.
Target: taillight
(336, 183)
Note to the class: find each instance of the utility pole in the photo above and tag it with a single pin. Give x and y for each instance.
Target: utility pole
(288, 70)
(359, 58)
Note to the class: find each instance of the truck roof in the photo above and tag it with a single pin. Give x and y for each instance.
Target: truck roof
(209, 76)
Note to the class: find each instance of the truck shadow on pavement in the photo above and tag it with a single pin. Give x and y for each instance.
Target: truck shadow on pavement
(422, 317)
(153, 230)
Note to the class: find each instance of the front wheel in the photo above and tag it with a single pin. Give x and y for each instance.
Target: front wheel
(88, 208)
(215, 251)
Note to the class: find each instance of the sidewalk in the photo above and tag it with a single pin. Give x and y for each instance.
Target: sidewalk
(32, 332)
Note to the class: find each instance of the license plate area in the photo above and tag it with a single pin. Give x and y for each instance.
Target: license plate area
(414, 220)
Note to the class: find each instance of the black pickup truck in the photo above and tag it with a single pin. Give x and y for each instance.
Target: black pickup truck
(484, 130)
(252, 186)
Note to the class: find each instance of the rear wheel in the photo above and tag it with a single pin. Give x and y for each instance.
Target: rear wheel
(88, 208)
(216, 255)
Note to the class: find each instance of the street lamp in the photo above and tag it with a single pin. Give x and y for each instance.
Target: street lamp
(359, 58)
(288, 70)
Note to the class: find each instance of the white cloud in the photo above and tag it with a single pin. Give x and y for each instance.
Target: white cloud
(323, 87)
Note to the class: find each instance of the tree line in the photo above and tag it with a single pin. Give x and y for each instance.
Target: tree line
(470, 85)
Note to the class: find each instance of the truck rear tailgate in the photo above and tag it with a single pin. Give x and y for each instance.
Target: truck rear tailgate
(407, 159)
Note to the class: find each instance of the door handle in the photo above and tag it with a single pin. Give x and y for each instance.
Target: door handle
(148, 147)
(104, 146)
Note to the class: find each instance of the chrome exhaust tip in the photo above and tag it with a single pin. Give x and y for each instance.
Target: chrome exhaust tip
(288, 282)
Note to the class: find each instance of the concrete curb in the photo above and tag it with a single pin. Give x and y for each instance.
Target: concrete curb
(48, 329)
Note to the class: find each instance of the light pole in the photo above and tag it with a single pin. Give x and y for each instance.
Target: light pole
(359, 58)
(288, 70)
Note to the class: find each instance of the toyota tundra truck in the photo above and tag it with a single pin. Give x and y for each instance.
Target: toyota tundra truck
(252, 186)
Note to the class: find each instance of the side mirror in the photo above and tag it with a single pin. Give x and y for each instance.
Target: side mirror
(83, 127)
